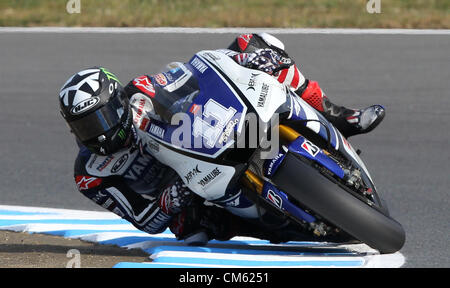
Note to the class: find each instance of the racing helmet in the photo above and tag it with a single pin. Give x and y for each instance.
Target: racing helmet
(95, 106)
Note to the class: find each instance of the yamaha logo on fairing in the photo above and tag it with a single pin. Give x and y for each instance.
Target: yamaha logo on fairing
(273, 162)
(84, 105)
(199, 65)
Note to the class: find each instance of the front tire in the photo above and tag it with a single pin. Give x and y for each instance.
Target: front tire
(305, 184)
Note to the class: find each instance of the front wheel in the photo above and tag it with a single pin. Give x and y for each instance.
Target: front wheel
(305, 184)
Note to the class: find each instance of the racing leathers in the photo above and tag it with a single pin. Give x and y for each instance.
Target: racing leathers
(136, 186)
(350, 122)
(131, 184)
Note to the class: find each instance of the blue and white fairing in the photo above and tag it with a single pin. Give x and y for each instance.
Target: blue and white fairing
(226, 93)
(303, 112)
(213, 109)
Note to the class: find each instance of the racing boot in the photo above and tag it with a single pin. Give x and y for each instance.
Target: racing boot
(353, 122)
(349, 121)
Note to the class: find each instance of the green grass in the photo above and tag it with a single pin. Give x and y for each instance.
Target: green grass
(228, 13)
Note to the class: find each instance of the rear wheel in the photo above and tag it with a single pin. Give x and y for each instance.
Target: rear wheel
(305, 184)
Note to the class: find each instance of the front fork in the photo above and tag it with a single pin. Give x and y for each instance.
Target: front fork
(271, 193)
(254, 181)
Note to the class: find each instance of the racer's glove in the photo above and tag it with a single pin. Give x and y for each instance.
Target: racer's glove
(211, 221)
(266, 60)
(175, 197)
(197, 224)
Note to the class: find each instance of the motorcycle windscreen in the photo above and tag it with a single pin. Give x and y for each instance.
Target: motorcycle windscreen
(176, 90)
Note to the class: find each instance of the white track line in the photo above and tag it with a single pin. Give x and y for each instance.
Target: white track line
(99, 232)
(187, 30)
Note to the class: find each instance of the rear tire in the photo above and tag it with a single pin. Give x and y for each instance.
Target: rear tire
(305, 184)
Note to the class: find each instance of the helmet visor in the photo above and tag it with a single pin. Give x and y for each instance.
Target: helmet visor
(100, 121)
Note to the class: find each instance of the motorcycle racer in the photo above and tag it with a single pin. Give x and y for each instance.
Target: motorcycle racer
(115, 167)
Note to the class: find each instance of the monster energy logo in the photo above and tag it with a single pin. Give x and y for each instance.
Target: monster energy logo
(122, 134)
(110, 75)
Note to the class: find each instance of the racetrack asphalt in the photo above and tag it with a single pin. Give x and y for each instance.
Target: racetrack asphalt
(407, 155)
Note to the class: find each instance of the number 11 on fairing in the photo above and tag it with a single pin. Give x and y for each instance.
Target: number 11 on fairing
(221, 117)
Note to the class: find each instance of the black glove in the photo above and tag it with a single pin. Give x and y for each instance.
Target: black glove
(212, 220)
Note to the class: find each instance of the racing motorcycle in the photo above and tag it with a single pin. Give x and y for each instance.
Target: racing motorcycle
(315, 179)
